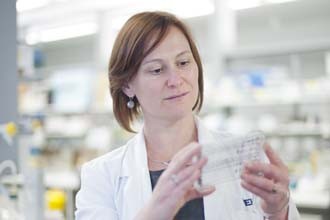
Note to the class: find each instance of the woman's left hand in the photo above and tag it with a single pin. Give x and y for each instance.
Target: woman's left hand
(269, 181)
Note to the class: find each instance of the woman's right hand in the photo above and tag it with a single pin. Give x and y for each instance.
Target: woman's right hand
(175, 186)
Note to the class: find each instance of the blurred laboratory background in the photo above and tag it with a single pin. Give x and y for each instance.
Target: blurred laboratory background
(266, 67)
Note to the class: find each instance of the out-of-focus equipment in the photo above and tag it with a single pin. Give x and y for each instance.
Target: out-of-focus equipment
(8, 210)
(56, 201)
(8, 131)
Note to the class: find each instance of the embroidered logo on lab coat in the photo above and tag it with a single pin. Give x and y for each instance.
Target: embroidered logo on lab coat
(248, 202)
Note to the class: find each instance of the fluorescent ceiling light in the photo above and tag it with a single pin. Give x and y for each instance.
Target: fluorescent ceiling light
(26, 5)
(243, 4)
(61, 33)
(195, 9)
(279, 1)
(179, 8)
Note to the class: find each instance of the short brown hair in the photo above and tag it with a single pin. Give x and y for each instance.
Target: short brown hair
(131, 46)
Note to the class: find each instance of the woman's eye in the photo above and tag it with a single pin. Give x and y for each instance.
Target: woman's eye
(183, 63)
(156, 71)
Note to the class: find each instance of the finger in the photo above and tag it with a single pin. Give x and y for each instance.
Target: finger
(181, 189)
(194, 194)
(265, 195)
(188, 170)
(185, 173)
(272, 156)
(255, 168)
(258, 181)
(268, 170)
(184, 157)
(273, 200)
(263, 183)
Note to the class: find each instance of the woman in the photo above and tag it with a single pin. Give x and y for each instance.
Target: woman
(155, 71)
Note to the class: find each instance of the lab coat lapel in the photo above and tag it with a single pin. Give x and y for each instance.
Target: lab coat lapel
(142, 165)
(135, 167)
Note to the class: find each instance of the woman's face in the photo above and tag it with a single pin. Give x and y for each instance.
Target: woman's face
(166, 83)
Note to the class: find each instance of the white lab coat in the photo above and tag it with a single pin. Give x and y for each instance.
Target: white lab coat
(117, 185)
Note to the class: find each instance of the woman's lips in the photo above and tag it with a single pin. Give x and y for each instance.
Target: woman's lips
(176, 96)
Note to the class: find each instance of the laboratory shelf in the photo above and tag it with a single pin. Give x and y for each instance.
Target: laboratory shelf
(278, 49)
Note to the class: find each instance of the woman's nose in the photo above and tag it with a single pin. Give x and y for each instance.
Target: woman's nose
(174, 78)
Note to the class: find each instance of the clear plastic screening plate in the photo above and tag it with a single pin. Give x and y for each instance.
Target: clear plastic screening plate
(227, 157)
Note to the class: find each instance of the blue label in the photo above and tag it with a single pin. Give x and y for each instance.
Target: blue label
(248, 202)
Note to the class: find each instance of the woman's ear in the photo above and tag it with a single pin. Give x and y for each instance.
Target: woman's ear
(128, 90)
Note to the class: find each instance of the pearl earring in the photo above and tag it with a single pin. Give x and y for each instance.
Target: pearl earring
(130, 103)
